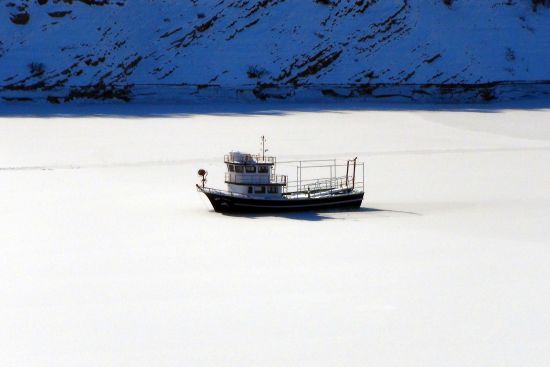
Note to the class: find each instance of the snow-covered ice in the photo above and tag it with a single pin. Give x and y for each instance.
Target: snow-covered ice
(109, 256)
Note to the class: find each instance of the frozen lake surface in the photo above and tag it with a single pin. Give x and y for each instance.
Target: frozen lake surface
(111, 258)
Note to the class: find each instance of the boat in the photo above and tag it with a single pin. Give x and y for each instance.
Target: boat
(254, 185)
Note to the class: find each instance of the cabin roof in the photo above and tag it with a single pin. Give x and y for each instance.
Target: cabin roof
(246, 158)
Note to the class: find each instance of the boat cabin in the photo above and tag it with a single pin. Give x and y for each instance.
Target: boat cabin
(254, 175)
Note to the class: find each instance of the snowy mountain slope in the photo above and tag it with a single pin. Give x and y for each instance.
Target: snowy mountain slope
(48, 45)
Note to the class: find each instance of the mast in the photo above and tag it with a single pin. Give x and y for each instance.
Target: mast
(263, 148)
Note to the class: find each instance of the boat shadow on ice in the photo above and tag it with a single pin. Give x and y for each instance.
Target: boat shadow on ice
(317, 216)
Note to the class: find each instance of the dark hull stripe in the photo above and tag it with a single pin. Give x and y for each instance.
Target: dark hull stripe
(227, 203)
(300, 205)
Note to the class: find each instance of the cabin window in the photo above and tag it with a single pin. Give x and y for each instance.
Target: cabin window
(260, 190)
(250, 169)
(238, 169)
(263, 169)
(250, 189)
(272, 189)
(231, 168)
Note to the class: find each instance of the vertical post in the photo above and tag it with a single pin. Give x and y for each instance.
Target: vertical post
(330, 184)
(263, 148)
(335, 175)
(297, 179)
(354, 164)
(363, 168)
(347, 174)
(300, 176)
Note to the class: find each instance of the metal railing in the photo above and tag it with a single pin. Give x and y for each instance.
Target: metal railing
(255, 179)
(250, 158)
(323, 187)
(209, 190)
(325, 177)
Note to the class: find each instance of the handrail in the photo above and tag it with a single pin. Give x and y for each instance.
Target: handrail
(323, 186)
(248, 178)
(301, 194)
(251, 159)
(223, 192)
(306, 162)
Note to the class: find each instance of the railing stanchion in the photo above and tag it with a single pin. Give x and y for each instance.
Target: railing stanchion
(347, 174)
(300, 180)
(354, 165)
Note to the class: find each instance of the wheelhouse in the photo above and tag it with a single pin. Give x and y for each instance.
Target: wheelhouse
(253, 175)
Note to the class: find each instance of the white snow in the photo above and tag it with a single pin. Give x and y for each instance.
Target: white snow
(109, 257)
(215, 42)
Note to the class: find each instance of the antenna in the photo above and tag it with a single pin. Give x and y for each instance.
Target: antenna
(263, 148)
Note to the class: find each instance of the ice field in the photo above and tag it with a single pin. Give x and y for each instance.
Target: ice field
(109, 256)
